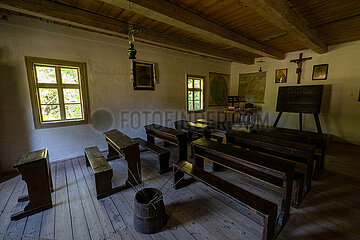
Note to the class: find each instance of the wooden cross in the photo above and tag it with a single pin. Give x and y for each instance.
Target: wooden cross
(299, 63)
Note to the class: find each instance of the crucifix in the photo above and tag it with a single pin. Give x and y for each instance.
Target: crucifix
(299, 63)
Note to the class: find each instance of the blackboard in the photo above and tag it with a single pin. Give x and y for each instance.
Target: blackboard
(300, 99)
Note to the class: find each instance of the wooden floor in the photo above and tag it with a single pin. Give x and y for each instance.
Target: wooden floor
(330, 211)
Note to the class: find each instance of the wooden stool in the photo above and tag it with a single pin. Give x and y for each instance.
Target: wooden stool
(35, 171)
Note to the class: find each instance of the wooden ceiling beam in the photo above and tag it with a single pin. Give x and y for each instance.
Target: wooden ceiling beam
(94, 22)
(166, 12)
(281, 15)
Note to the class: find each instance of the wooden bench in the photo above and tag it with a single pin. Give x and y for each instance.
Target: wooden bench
(300, 153)
(318, 139)
(253, 203)
(102, 171)
(169, 135)
(163, 154)
(271, 170)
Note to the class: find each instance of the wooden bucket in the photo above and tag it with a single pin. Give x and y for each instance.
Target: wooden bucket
(149, 218)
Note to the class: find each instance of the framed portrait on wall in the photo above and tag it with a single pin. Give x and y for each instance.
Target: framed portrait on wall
(281, 75)
(320, 72)
(143, 76)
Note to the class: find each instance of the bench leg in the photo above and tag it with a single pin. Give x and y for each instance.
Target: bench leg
(132, 157)
(87, 160)
(288, 182)
(177, 176)
(319, 167)
(199, 162)
(150, 139)
(269, 226)
(298, 192)
(103, 184)
(164, 163)
(113, 154)
(183, 144)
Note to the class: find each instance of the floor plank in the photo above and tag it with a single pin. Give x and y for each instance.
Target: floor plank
(92, 219)
(10, 206)
(108, 228)
(78, 220)
(47, 229)
(63, 227)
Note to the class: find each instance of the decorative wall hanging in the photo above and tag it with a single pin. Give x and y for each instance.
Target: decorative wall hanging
(281, 75)
(143, 76)
(219, 89)
(299, 63)
(320, 72)
(252, 87)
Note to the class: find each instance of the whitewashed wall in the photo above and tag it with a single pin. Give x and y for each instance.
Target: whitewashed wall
(341, 115)
(110, 88)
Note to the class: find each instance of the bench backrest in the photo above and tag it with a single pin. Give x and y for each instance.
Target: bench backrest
(273, 145)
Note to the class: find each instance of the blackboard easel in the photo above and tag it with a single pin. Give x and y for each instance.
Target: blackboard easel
(316, 117)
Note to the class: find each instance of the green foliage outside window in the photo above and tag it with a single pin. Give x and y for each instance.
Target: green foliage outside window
(50, 95)
(195, 94)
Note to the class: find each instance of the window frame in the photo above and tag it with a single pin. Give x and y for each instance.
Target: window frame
(202, 93)
(31, 63)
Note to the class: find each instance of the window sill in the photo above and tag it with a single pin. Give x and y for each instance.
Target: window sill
(195, 111)
(60, 124)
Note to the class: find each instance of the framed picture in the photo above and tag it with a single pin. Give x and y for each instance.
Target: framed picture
(320, 72)
(281, 75)
(359, 96)
(143, 76)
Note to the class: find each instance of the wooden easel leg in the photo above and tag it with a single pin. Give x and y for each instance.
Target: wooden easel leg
(277, 119)
(317, 121)
(300, 121)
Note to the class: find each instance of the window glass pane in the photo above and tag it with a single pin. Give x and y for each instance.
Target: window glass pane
(73, 111)
(50, 112)
(190, 105)
(197, 83)
(197, 96)
(71, 95)
(49, 96)
(197, 105)
(45, 74)
(190, 83)
(69, 76)
(190, 95)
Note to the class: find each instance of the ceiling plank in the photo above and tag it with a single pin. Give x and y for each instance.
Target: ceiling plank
(171, 14)
(94, 22)
(280, 14)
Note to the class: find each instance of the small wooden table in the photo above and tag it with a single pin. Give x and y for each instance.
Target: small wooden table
(271, 170)
(120, 144)
(34, 168)
(169, 135)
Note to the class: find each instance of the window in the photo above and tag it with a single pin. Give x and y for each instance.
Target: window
(58, 92)
(195, 93)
